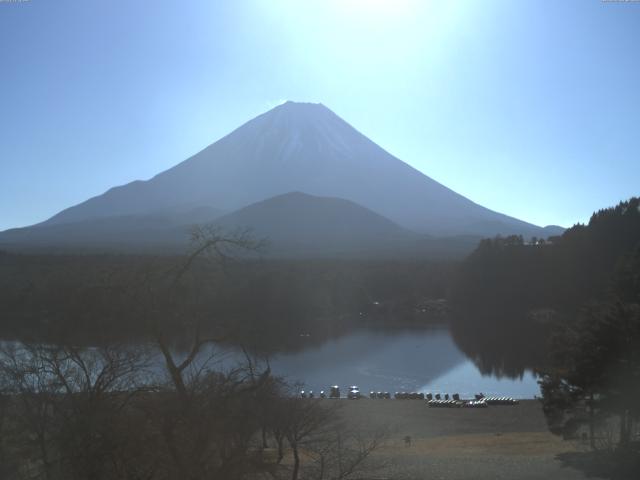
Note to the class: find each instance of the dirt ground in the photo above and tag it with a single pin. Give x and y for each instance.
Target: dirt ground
(498, 442)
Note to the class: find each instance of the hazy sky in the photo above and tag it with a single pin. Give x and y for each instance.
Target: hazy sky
(528, 108)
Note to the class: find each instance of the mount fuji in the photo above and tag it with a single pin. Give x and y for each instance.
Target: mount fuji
(295, 147)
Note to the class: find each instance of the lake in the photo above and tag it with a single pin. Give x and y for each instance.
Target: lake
(416, 360)
(392, 360)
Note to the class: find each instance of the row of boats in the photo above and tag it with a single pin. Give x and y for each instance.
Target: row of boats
(434, 400)
(482, 402)
(334, 392)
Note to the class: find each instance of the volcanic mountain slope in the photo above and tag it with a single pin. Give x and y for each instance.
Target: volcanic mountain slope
(157, 231)
(293, 225)
(302, 147)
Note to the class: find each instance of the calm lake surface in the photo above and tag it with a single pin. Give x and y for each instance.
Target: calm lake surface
(417, 360)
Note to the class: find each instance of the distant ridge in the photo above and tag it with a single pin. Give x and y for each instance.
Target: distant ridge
(299, 223)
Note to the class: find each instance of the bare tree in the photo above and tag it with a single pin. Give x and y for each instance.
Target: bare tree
(68, 401)
(205, 418)
(23, 371)
(341, 453)
(304, 419)
(322, 445)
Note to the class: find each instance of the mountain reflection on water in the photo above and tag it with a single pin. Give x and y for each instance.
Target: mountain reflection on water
(422, 360)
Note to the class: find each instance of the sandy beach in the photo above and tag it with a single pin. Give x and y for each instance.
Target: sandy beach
(510, 442)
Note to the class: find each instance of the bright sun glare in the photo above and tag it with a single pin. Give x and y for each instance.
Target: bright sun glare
(376, 7)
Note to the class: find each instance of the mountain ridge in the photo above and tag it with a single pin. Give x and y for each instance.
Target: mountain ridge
(294, 224)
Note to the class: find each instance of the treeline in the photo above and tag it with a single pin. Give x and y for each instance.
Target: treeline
(591, 382)
(91, 298)
(511, 291)
(570, 308)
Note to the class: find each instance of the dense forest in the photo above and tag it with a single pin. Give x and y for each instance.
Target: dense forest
(263, 303)
(569, 308)
(510, 291)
